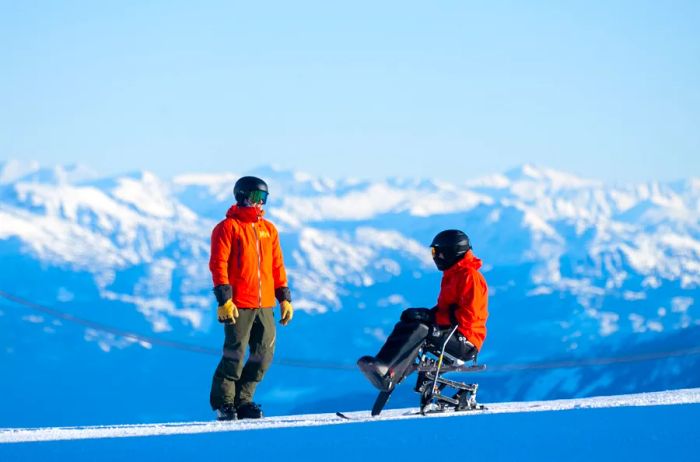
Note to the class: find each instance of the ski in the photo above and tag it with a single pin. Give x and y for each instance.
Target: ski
(379, 403)
(381, 400)
(345, 416)
(416, 413)
(479, 407)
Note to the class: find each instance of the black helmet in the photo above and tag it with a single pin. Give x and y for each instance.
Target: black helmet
(248, 184)
(449, 247)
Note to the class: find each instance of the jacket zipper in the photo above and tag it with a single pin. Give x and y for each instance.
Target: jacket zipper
(257, 251)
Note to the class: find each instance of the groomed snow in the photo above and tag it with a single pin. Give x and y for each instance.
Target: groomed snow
(26, 435)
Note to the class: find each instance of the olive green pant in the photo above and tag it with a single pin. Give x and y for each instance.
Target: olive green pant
(233, 382)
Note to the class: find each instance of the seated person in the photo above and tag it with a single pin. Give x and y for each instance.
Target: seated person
(462, 303)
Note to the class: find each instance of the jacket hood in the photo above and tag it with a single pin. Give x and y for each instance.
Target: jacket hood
(245, 214)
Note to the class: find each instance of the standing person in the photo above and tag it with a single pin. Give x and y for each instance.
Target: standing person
(463, 302)
(248, 271)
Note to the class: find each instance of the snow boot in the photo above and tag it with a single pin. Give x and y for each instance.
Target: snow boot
(226, 412)
(376, 372)
(249, 411)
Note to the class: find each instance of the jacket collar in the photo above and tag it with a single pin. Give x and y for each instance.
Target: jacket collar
(469, 261)
(245, 214)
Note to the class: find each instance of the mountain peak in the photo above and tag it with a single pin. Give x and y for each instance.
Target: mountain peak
(32, 171)
(145, 176)
(14, 169)
(529, 171)
(555, 178)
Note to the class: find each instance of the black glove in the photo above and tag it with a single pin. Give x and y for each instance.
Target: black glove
(453, 314)
(423, 315)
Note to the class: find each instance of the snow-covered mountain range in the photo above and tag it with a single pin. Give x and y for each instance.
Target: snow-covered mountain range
(575, 266)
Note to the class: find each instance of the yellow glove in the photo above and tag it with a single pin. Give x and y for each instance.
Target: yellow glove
(227, 312)
(287, 312)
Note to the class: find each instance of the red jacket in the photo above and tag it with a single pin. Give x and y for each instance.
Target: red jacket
(464, 288)
(246, 253)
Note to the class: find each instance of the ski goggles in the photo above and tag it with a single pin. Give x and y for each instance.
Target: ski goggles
(256, 197)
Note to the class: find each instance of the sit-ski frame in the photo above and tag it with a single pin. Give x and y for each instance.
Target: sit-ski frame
(431, 386)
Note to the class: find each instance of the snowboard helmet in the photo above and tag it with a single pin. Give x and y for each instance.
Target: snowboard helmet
(449, 247)
(252, 188)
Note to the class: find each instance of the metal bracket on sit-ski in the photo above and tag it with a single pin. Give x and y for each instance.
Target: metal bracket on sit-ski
(431, 385)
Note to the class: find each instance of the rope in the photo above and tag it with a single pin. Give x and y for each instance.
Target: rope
(306, 364)
(174, 344)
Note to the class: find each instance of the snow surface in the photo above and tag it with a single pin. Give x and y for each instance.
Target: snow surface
(24, 435)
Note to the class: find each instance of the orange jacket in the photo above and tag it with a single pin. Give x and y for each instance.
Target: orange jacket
(463, 289)
(246, 253)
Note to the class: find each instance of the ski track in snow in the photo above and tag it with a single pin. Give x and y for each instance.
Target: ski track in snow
(25, 435)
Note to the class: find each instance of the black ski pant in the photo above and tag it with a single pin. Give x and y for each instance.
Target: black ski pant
(415, 330)
(234, 381)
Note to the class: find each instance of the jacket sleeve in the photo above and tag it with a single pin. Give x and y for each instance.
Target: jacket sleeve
(279, 275)
(220, 252)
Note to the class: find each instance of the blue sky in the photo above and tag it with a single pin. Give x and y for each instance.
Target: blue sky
(449, 90)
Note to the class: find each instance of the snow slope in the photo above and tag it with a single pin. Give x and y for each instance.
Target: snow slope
(24, 435)
(652, 426)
